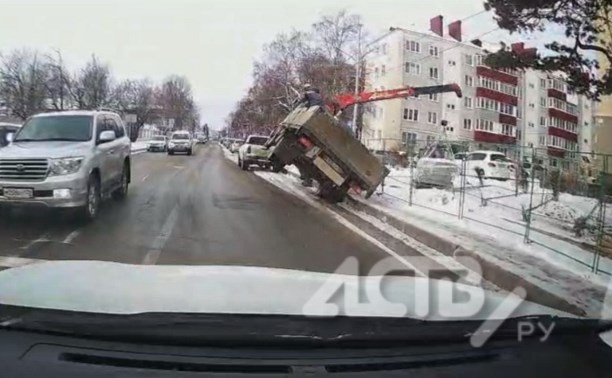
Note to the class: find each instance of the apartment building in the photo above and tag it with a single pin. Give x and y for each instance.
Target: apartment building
(499, 109)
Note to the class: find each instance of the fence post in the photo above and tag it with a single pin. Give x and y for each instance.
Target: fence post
(411, 186)
(528, 220)
(382, 184)
(462, 188)
(601, 217)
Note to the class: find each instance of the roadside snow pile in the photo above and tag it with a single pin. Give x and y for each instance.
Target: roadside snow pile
(500, 203)
(139, 146)
(228, 155)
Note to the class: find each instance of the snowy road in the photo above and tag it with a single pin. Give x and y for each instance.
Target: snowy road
(198, 209)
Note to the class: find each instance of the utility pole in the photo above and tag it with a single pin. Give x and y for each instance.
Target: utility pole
(357, 77)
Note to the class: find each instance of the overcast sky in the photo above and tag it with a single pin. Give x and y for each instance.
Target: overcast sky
(211, 42)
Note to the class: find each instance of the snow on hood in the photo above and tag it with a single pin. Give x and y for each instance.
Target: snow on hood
(45, 149)
(114, 288)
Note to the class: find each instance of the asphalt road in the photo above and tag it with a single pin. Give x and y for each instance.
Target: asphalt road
(191, 210)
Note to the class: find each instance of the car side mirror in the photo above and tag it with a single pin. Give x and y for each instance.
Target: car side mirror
(106, 136)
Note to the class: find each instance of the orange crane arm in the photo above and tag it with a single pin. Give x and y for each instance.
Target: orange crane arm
(344, 100)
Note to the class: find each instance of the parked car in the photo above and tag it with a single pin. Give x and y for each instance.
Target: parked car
(68, 159)
(436, 168)
(7, 133)
(180, 141)
(235, 145)
(158, 143)
(489, 164)
(253, 151)
(201, 138)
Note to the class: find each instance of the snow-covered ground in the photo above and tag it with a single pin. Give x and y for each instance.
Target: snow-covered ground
(487, 231)
(139, 146)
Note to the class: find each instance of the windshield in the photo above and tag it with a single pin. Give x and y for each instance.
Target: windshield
(260, 141)
(294, 158)
(56, 128)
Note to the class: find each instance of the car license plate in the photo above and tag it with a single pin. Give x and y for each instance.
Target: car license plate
(19, 193)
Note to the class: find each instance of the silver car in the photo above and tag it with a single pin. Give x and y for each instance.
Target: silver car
(66, 160)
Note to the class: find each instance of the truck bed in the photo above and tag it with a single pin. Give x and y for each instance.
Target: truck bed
(338, 142)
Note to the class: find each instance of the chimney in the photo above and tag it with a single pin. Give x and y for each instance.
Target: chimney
(454, 30)
(436, 25)
(476, 42)
(518, 47)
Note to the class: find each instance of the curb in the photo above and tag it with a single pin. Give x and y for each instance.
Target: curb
(491, 272)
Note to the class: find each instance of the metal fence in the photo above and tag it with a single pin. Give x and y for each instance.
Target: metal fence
(556, 199)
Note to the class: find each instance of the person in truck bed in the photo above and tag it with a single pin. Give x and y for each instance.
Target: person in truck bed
(312, 97)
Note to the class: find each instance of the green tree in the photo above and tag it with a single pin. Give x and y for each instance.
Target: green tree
(587, 44)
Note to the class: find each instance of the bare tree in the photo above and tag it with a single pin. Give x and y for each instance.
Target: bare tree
(58, 81)
(91, 87)
(136, 97)
(22, 82)
(176, 99)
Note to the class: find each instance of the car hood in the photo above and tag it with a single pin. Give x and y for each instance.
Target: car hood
(45, 149)
(114, 288)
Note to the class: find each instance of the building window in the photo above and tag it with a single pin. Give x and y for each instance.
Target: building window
(543, 83)
(411, 114)
(469, 59)
(542, 121)
(479, 59)
(376, 73)
(469, 81)
(531, 124)
(383, 70)
(408, 138)
(484, 125)
(557, 84)
(452, 63)
(432, 117)
(380, 112)
(413, 46)
(519, 113)
(467, 102)
(543, 101)
(450, 106)
(467, 123)
(434, 97)
(531, 85)
(586, 141)
(433, 72)
(384, 48)
(507, 129)
(519, 135)
(531, 105)
(413, 68)
(542, 140)
(433, 50)
(586, 123)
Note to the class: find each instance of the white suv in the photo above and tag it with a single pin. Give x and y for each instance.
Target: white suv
(180, 141)
(490, 164)
(67, 159)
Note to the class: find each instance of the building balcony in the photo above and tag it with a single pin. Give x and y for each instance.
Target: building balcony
(496, 75)
(562, 133)
(497, 96)
(554, 112)
(556, 151)
(555, 93)
(507, 119)
(491, 137)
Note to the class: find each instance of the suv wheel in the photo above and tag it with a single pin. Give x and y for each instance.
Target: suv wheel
(90, 210)
(122, 191)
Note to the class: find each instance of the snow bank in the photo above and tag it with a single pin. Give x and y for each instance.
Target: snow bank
(139, 146)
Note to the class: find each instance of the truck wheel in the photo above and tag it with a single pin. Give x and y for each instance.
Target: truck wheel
(89, 211)
(120, 193)
(245, 165)
(331, 193)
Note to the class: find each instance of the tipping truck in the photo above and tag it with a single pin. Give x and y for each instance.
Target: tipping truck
(314, 140)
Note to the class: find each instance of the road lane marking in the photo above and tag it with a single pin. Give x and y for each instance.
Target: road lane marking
(42, 238)
(71, 236)
(160, 240)
(14, 262)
